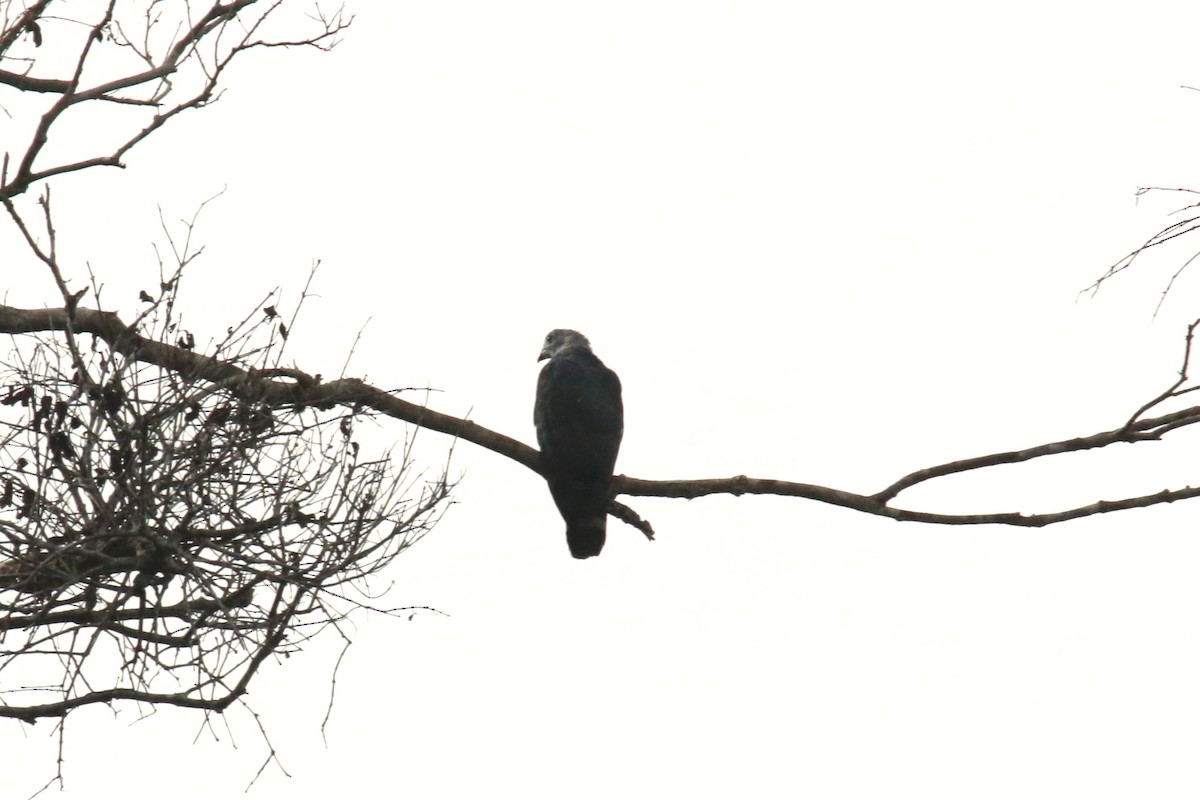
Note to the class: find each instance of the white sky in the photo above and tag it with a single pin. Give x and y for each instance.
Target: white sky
(821, 242)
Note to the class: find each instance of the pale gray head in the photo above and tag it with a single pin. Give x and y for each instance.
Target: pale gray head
(560, 340)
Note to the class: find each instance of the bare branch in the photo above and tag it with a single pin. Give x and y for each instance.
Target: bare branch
(180, 74)
(159, 520)
(1168, 234)
(301, 390)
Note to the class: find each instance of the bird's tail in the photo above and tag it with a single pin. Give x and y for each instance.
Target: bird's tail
(585, 537)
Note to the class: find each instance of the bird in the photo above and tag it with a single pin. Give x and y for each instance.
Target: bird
(580, 420)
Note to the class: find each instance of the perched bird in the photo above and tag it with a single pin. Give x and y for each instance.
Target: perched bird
(579, 420)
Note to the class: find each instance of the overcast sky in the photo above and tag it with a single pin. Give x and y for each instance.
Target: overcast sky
(828, 243)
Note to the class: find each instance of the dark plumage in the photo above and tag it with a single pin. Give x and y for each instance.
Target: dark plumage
(579, 420)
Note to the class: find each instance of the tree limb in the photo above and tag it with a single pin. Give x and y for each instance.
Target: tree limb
(298, 388)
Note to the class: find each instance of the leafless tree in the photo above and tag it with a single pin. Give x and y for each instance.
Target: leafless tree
(148, 60)
(165, 530)
(174, 514)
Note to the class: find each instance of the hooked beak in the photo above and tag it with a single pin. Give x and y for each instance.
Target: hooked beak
(542, 356)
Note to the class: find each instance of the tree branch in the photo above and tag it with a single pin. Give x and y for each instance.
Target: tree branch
(197, 55)
(184, 610)
(295, 388)
(184, 699)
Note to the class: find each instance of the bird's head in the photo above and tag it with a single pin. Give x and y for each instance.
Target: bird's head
(560, 340)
